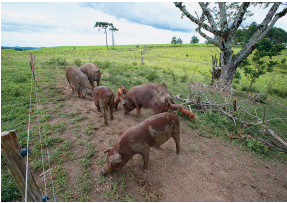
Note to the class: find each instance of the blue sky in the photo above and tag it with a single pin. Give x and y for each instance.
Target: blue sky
(48, 24)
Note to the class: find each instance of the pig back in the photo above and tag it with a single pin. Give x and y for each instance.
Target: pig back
(153, 131)
(92, 71)
(102, 92)
(78, 79)
(150, 95)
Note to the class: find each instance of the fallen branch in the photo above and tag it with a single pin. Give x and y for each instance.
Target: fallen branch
(44, 172)
(208, 136)
(275, 136)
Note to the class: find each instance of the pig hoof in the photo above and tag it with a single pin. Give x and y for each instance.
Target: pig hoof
(103, 172)
(144, 170)
(177, 153)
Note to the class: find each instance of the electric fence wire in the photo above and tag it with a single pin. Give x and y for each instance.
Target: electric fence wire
(38, 103)
(27, 166)
(43, 126)
(36, 91)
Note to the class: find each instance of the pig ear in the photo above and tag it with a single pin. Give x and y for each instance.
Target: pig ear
(116, 158)
(107, 150)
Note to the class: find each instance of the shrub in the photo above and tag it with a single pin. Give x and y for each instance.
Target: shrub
(283, 61)
(78, 62)
(244, 88)
(103, 65)
(236, 81)
(183, 78)
(152, 75)
(256, 146)
(52, 61)
(61, 61)
(134, 63)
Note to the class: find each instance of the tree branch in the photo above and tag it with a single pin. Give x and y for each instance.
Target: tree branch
(257, 36)
(194, 19)
(206, 12)
(223, 17)
(239, 17)
(213, 41)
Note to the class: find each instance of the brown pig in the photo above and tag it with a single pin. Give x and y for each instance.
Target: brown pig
(120, 92)
(93, 73)
(117, 101)
(124, 90)
(176, 106)
(149, 95)
(103, 97)
(79, 82)
(152, 132)
(185, 112)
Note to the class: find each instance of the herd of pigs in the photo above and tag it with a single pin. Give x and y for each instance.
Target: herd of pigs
(152, 132)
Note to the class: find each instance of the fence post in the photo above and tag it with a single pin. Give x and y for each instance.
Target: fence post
(11, 151)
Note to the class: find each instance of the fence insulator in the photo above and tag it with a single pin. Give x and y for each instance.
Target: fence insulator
(24, 152)
(45, 198)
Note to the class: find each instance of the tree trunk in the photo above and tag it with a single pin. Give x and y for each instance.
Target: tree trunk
(106, 37)
(227, 65)
(250, 85)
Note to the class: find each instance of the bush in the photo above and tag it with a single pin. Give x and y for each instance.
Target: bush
(152, 75)
(283, 61)
(256, 146)
(183, 78)
(236, 81)
(52, 61)
(103, 65)
(62, 61)
(244, 88)
(134, 63)
(78, 62)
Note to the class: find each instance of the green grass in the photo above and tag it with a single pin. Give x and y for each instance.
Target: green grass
(171, 64)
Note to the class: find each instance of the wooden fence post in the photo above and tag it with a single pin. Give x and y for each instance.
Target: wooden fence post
(11, 151)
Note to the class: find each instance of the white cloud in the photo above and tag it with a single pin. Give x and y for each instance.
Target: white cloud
(72, 24)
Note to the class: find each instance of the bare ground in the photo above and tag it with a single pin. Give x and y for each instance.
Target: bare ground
(207, 169)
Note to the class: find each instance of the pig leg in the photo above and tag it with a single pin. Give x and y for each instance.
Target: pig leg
(111, 112)
(105, 116)
(138, 107)
(98, 107)
(177, 143)
(72, 87)
(79, 93)
(145, 154)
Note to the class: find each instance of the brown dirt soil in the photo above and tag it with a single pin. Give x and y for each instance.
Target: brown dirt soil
(207, 169)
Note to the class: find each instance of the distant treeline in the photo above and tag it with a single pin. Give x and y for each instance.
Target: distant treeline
(276, 35)
(21, 48)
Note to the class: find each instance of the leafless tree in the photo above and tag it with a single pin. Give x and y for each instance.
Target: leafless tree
(223, 26)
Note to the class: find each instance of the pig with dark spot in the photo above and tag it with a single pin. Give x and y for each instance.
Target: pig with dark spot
(79, 82)
(93, 73)
(152, 132)
(149, 95)
(103, 98)
(122, 91)
(176, 106)
(117, 101)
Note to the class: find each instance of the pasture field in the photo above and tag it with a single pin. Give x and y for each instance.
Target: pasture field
(76, 136)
